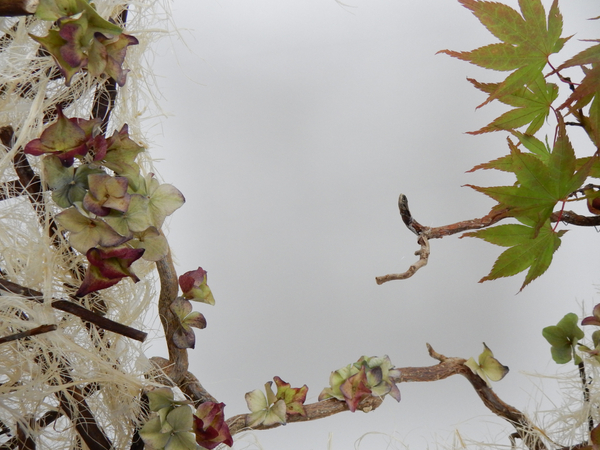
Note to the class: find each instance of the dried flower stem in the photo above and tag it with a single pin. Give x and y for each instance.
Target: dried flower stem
(32, 332)
(77, 310)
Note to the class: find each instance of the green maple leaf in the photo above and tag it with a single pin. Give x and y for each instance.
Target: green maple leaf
(540, 185)
(532, 106)
(528, 248)
(534, 145)
(531, 143)
(527, 41)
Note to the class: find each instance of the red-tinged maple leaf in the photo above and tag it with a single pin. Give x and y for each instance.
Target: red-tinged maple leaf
(527, 41)
(590, 84)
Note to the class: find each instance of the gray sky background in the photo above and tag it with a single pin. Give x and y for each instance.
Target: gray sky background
(294, 127)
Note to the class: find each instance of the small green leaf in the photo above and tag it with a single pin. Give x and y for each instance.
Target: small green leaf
(563, 337)
(534, 145)
(152, 435)
(532, 103)
(160, 398)
(355, 389)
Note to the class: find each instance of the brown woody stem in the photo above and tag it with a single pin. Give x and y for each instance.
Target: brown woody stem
(72, 308)
(32, 332)
(178, 358)
(18, 7)
(494, 216)
(102, 322)
(446, 368)
(313, 411)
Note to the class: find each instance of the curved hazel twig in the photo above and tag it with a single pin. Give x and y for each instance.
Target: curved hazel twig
(422, 253)
(495, 215)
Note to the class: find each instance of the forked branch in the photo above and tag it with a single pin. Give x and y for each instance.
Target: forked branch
(495, 215)
(447, 367)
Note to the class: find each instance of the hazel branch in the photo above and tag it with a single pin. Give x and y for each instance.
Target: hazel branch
(314, 411)
(446, 367)
(422, 253)
(495, 215)
(178, 358)
(74, 405)
(189, 385)
(525, 430)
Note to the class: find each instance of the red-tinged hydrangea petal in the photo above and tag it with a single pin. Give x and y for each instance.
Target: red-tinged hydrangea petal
(53, 43)
(116, 50)
(395, 392)
(184, 339)
(64, 139)
(194, 287)
(355, 389)
(210, 427)
(594, 319)
(192, 279)
(121, 154)
(97, 58)
(72, 52)
(115, 262)
(85, 232)
(94, 281)
(98, 147)
(107, 267)
(91, 127)
(106, 193)
(294, 398)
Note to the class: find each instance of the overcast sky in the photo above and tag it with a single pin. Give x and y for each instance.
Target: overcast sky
(294, 127)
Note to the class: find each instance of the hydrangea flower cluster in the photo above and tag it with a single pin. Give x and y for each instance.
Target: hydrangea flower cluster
(176, 427)
(82, 39)
(366, 377)
(112, 212)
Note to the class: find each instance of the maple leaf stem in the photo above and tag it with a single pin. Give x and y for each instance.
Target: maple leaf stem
(560, 213)
(562, 78)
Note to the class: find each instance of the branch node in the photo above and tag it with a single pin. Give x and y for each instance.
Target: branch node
(422, 253)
